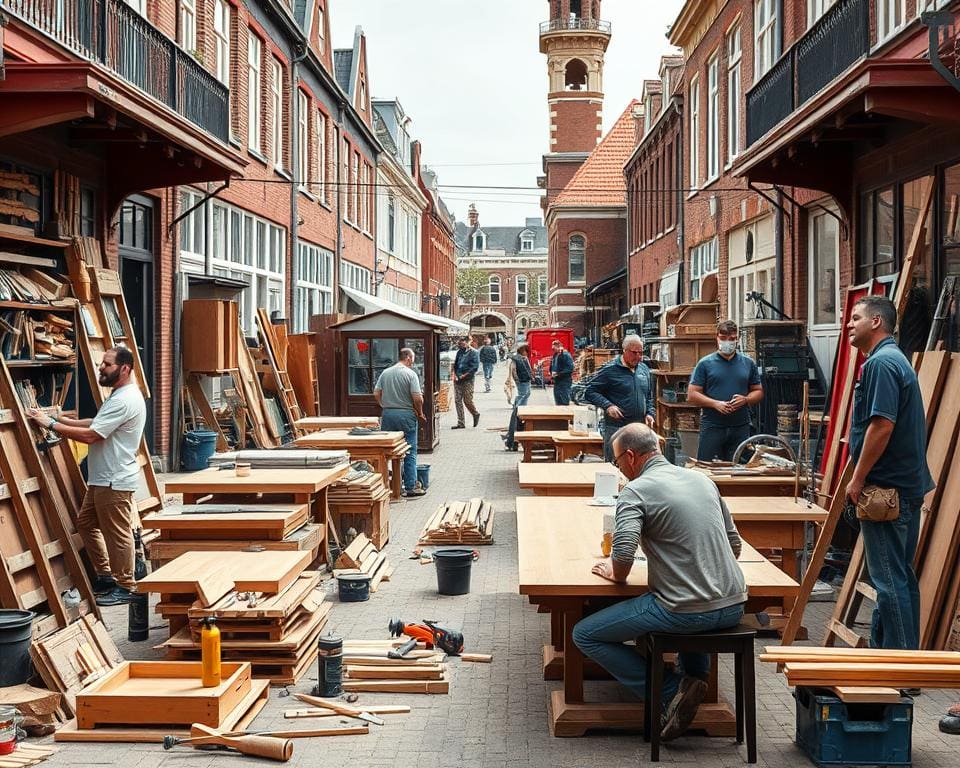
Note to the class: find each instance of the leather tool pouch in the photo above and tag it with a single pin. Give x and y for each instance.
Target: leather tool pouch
(878, 505)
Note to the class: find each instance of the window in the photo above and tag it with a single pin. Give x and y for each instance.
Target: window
(694, 131)
(891, 15)
(320, 30)
(314, 285)
(493, 289)
(526, 245)
(187, 36)
(576, 257)
(703, 262)
(479, 241)
(816, 9)
(877, 256)
(345, 185)
(191, 227)
(824, 266)
(766, 27)
(276, 98)
(734, 54)
(221, 38)
(391, 222)
(542, 289)
(88, 212)
(357, 188)
(713, 117)
(356, 277)
(303, 139)
(322, 154)
(522, 290)
(140, 6)
(254, 47)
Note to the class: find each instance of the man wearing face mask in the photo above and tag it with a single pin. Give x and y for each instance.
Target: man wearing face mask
(724, 384)
(105, 518)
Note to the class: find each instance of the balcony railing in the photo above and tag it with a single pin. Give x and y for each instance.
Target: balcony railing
(575, 24)
(829, 48)
(111, 33)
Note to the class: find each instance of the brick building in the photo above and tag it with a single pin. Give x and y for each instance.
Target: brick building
(438, 248)
(515, 262)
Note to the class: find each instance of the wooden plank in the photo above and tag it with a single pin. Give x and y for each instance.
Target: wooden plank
(858, 694)
(376, 709)
(790, 654)
(396, 686)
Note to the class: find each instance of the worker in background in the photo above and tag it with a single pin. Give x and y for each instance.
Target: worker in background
(561, 371)
(679, 519)
(520, 372)
(399, 395)
(724, 384)
(465, 367)
(623, 389)
(488, 359)
(888, 448)
(105, 520)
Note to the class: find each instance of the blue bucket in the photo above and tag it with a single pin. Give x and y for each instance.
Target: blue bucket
(423, 475)
(198, 446)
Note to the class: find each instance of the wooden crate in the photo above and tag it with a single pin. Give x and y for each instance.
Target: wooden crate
(370, 519)
(696, 314)
(210, 333)
(161, 693)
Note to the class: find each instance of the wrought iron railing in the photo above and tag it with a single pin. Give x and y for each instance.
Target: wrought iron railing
(114, 35)
(574, 23)
(770, 100)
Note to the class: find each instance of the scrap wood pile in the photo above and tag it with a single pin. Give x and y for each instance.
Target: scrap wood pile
(361, 501)
(362, 556)
(460, 522)
(26, 336)
(368, 669)
(26, 755)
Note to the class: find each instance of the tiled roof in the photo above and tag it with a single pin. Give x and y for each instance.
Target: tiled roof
(600, 180)
(343, 68)
(502, 238)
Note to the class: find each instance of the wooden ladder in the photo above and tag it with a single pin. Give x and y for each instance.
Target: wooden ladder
(288, 396)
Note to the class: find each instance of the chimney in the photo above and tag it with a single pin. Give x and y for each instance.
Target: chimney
(638, 122)
(473, 216)
(415, 153)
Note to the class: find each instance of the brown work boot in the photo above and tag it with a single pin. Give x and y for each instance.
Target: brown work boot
(683, 708)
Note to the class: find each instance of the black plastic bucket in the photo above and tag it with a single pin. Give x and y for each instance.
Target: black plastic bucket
(453, 570)
(16, 631)
(354, 587)
(138, 617)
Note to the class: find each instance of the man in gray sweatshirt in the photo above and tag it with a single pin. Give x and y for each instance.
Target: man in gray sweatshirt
(696, 585)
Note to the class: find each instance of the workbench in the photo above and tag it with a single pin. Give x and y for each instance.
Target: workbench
(552, 479)
(743, 484)
(545, 417)
(315, 423)
(564, 445)
(378, 449)
(557, 547)
(775, 522)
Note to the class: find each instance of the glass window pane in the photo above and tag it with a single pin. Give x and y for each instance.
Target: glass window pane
(825, 270)
(358, 356)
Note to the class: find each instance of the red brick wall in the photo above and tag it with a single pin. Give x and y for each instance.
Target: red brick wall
(576, 125)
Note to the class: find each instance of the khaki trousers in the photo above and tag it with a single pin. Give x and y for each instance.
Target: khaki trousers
(106, 527)
(463, 395)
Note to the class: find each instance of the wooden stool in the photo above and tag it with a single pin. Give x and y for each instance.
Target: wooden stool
(736, 640)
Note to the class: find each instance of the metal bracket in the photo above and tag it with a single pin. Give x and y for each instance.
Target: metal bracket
(934, 21)
(772, 200)
(844, 226)
(201, 202)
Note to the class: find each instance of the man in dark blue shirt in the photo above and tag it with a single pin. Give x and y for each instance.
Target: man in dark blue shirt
(888, 446)
(561, 369)
(465, 367)
(724, 384)
(623, 389)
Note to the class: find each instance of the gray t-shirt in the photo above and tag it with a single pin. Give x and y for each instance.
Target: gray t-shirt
(399, 384)
(112, 462)
(688, 537)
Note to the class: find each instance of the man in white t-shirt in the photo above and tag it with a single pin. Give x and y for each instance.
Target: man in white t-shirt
(105, 518)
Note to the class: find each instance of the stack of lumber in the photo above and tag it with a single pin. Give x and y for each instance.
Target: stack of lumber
(460, 522)
(282, 459)
(186, 528)
(361, 556)
(368, 669)
(26, 755)
(361, 501)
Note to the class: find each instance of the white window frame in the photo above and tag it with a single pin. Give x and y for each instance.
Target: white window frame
(891, 17)
(526, 245)
(356, 277)
(523, 291)
(816, 9)
(140, 6)
(355, 178)
(321, 40)
(479, 242)
(734, 91)
(494, 282)
(542, 289)
(276, 97)
(766, 35)
(713, 117)
(704, 261)
(314, 269)
(221, 36)
(187, 27)
(694, 111)
(930, 5)
(322, 153)
(303, 140)
(815, 260)
(570, 279)
(254, 96)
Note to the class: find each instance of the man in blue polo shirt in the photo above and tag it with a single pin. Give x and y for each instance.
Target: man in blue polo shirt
(888, 445)
(724, 384)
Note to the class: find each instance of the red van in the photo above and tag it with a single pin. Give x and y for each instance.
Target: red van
(541, 346)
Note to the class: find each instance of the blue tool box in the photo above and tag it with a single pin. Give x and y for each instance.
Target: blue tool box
(833, 733)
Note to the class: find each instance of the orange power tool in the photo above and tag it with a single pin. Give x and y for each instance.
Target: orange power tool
(431, 633)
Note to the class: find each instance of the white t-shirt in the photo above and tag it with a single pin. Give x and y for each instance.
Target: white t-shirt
(112, 462)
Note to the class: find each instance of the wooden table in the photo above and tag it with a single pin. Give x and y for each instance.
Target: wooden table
(315, 423)
(379, 450)
(557, 547)
(545, 417)
(775, 522)
(751, 485)
(570, 446)
(553, 479)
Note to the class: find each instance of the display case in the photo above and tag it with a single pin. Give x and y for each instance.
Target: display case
(370, 344)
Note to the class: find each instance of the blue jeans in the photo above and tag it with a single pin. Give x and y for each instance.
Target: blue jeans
(561, 392)
(601, 637)
(720, 442)
(609, 429)
(889, 549)
(487, 375)
(523, 395)
(400, 420)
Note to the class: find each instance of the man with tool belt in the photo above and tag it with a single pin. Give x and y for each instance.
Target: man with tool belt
(105, 520)
(399, 395)
(888, 448)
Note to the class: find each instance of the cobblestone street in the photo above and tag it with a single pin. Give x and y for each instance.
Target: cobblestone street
(495, 714)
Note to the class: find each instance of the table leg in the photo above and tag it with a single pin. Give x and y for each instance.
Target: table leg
(527, 451)
(561, 452)
(788, 562)
(572, 657)
(396, 479)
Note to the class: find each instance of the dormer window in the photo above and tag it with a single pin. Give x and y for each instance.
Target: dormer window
(479, 242)
(526, 241)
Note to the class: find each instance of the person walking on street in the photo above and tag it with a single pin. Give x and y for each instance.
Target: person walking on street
(105, 520)
(724, 384)
(561, 370)
(696, 585)
(465, 367)
(623, 390)
(888, 448)
(488, 359)
(399, 395)
(522, 373)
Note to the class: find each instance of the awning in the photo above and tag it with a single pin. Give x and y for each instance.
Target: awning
(369, 304)
(608, 282)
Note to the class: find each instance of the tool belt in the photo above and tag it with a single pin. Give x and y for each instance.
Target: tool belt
(878, 505)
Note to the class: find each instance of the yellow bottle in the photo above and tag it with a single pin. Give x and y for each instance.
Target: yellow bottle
(210, 654)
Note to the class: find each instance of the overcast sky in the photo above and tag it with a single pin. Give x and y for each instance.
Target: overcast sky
(472, 79)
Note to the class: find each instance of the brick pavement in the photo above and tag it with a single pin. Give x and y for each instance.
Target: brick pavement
(494, 715)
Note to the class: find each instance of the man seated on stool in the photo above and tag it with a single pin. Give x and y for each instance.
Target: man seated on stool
(696, 585)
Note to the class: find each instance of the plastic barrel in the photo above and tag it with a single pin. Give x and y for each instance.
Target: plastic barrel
(198, 446)
(354, 587)
(423, 475)
(453, 570)
(16, 631)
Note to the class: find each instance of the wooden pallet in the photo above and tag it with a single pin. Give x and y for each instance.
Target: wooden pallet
(460, 522)
(306, 539)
